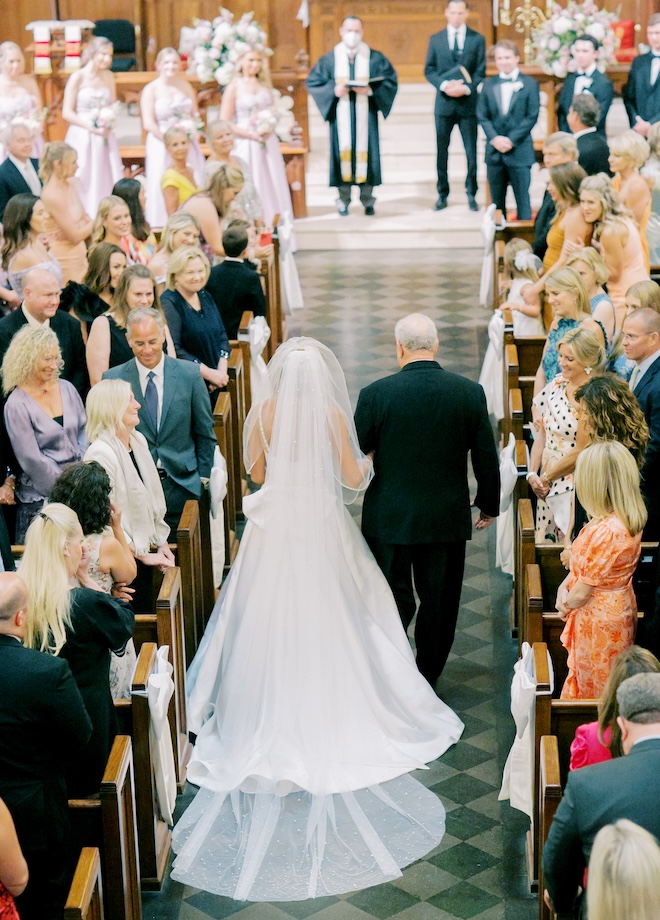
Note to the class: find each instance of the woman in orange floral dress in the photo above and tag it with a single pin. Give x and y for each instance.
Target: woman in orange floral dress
(596, 599)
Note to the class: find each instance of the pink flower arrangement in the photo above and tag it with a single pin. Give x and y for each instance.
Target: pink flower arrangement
(554, 40)
(219, 45)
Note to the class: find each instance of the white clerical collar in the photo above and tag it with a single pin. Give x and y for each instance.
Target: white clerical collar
(157, 371)
(585, 131)
(32, 321)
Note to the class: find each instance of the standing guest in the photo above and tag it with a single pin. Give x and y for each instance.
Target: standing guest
(642, 93)
(596, 599)
(193, 317)
(210, 209)
(616, 232)
(44, 416)
(651, 173)
(24, 225)
(234, 285)
(176, 421)
(180, 230)
(167, 102)
(557, 148)
(80, 624)
(107, 346)
(13, 867)
(624, 872)
(586, 78)
(568, 228)
(507, 110)
(20, 98)
(583, 117)
(67, 224)
(86, 301)
(19, 173)
(40, 308)
(351, 85)
(132, 192)
(221, 139)
(451, 52)
(178, 181)
(88, 105)
(641, 344)
(413, 529)
(114, 224)
(643, 294)
(43, 713)
(628, 152)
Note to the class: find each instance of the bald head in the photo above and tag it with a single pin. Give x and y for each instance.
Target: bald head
(416, 338)
(41, 294)
(13, 605)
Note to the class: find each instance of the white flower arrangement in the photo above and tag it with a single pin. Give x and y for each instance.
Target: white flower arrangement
(219, 44)
(554, 40)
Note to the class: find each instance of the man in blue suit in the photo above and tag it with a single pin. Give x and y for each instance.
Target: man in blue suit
(586, 79)
(642, 93)
(175, 411)
(507, 110)
(19, 172)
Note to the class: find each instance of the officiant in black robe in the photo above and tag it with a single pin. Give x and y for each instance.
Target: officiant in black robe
(351, 85)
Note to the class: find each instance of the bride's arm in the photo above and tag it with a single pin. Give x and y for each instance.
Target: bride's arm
(260, 440)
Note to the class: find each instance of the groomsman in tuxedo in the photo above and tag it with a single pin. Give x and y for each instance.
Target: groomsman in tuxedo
(642, 93)
(586, 79)
(593, 150)
(507, 110)
(456, 100)
(421, 424)
(18, 173)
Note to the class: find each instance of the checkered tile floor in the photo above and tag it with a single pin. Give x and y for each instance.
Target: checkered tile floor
(352, 301)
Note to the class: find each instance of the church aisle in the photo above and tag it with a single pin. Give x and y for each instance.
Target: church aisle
(353, 299)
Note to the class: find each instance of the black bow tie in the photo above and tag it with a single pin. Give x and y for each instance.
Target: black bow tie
(506, 79)
(582, 73)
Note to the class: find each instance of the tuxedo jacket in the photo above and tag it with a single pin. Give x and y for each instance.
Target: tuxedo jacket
(440, 61)
(422, 423)
(43, 724)
(648, 397)
(185, 440)
(517, 124)
(639, 96)
(12, 183)
(626, 787)
(601, 89)
(593, 154)
(544, 217)
(236, 287)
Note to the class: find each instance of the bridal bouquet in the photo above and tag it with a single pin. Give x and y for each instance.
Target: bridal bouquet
(554, 40)
(219, 44)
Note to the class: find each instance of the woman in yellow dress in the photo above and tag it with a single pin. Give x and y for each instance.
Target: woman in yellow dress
(178, 182)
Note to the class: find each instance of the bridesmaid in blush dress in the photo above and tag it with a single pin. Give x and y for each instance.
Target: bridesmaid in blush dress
(20, 99)
(67, 223)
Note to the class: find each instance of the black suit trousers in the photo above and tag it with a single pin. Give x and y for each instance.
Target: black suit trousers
(437, 569)
(500, 176)
(467, 125)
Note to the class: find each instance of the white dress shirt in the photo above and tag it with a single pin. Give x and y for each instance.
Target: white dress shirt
(34, 322)
(159, 379)
(583, 132)
(458, 34)
(507, 89)
(584, 80)
(655, 68)
(29, 173)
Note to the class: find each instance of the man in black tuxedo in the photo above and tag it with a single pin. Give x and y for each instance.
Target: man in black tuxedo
(456, 100)
(593, 152)
(19, 172)
(507, 110)
(421, 424)
(43, 724)
(642, 92)
(233, 284)
(557, 148)
(596, 796)
(586, 79)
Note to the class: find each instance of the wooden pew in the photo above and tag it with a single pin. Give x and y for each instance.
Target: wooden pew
(196, 564)
(222, 425)
(236, 390)
(243, 342)
(521, 362)
(550, 792)
(524, 554)
(270, 274)
(85, 899)
(506, 231)
(109, 824)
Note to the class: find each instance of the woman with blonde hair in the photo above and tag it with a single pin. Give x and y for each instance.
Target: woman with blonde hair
(615, 229)
(522, 267)
(181, 229)
(20, 97)
(651, 174)
(596, 599)
(211, 209)
(44, 416)
(221, 139)
(178, 181)
(79, 623)
(643, 294)
(113, 224)
(624, 873)
(628, 153)
(67, 225)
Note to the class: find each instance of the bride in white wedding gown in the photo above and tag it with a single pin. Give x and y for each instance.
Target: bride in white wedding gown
(308, 707)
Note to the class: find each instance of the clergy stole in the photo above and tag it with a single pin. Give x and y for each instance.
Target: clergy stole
(343, 76)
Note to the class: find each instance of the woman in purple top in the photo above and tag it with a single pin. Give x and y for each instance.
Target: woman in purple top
(44, 416)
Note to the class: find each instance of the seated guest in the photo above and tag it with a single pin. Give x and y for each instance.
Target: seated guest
(24, 223)
(178, 180)
(176, 420)
(92, 298)
(624, 873)
(643, 294)
(559, 147)
(106, 345)
(221, 139)
(583, 118)
(43, 714)
(586, 78)
(113, 224)
(132, 192)
(605, 792)
(617, 234)
(85, 488)
(44, 416)
(19, 172)
(596, 599)
(13, 868)
(40, 307)
(180, 230)
(651, 173)
(595, 742)
(560, 432)
(234, 285)
(210, 208)
(67, 223)
(628, 152)
(82, 625)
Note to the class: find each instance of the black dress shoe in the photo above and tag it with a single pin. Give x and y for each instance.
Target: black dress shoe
(472, 203)
(342, 209)
(369, 210)
(440, 204)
